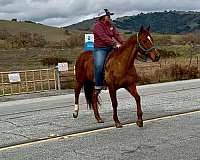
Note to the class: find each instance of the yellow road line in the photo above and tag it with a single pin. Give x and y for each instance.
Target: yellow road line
(48, 139)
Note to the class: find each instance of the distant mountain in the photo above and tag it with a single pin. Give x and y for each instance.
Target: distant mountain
(85, 25)
(160, 22)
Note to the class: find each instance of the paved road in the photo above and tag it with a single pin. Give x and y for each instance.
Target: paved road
(31, 119)
(172, 138)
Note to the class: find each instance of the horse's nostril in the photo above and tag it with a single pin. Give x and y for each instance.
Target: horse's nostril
(157, 57)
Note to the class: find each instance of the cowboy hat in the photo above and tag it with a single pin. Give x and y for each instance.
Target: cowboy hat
(105, 13)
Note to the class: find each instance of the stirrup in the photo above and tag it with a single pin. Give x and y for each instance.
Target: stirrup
(104, 88)
(97, 91)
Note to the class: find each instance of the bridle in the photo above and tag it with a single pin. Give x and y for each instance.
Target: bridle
(145, 51)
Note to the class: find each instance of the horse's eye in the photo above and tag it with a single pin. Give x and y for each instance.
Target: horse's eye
(145, 41)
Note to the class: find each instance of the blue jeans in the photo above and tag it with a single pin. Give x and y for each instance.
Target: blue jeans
(100, 55)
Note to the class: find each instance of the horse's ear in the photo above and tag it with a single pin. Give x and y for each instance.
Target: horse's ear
(141, 28)
(148, 28)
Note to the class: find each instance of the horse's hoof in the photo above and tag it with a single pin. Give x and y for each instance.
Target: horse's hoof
(139, 123)
(118, 125)
(100, 121)
(75, 115)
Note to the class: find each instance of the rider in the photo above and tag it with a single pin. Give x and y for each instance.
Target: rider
(106, 37)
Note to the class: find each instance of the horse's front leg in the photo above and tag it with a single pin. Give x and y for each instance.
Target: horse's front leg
(113, 97)
(133, 91)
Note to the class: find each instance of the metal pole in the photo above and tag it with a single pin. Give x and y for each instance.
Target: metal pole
(48, 77)
(58, 77)
(34, 85)
(54, 77)
(26, 81)
(41, 80)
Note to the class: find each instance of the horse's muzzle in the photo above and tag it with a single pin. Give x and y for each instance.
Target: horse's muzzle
(157, 58)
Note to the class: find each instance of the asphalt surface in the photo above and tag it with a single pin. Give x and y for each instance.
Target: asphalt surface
(28, 118)
(176, 138)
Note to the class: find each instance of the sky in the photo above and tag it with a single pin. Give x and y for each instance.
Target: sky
(61, 13)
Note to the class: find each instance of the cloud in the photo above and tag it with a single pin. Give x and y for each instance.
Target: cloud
(65, 12)
(4, 3)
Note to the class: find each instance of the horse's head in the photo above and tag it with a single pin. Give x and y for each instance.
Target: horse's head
(145, 44)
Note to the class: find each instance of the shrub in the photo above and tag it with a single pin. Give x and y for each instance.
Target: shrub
(52, 60)
(4, 34)
(38, 40)
(192, 38)
(167, 54)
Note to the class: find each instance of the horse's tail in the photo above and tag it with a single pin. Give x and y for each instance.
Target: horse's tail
(88, 90)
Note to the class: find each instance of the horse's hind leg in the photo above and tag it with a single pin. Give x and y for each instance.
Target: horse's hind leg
(114, 104)
(95, 106)
(133, 91)
(77, 90)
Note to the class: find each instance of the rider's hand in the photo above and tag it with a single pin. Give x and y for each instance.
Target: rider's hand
(118, 45)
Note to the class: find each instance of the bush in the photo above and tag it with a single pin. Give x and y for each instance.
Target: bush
(4, 34)
(38, 40)
(192, 38)
(25, 39)
(52, 61)
(181, 72)
(167, 54)
(29, 22)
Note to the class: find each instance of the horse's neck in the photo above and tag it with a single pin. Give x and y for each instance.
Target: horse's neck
(128, 53)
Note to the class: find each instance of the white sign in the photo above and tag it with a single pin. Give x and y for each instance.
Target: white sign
(89, 38)
(14, 77)
(63, 67)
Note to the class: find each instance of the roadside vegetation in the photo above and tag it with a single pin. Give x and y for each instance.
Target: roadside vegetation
(25, 45)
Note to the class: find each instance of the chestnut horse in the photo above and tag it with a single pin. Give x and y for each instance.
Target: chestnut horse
(119, 71)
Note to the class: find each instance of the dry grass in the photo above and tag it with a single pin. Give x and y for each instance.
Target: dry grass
(164, 71)
(169, 70)
(66, 46)
(31, 58)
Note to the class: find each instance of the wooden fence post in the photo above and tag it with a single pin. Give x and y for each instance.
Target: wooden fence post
(198, 66)
(160, 73)
(2, 81)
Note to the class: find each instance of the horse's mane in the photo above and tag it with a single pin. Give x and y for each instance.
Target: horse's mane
(124, 46)
(127, 43)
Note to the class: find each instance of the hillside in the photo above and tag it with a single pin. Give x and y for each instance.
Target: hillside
(85, 25)
(28, 34)
(49, 33)
(160, 22)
